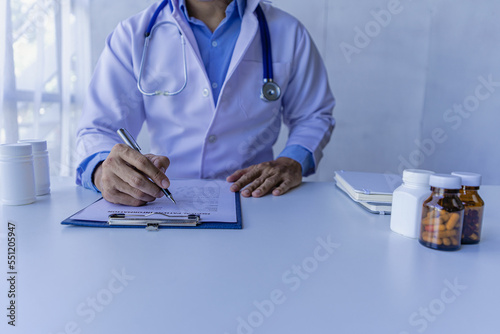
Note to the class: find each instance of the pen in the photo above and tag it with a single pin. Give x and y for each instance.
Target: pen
(130, 141)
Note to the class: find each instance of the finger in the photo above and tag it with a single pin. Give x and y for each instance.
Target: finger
(266, 186)
(138, 193)
(249, 189)
(138, 184)
(236, 175)
(113, 185)
(119, 174)
(248, 180)
(253, 189)
(284, 187)
(144, 165)
(161, 162)
(248, 175)
(119, 197)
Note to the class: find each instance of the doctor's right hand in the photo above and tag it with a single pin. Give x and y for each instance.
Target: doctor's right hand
(123, 178)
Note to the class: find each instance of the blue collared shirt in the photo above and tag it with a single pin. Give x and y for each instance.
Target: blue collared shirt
(216, 49)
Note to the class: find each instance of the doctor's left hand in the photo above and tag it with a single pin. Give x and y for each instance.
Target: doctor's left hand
(277, 176)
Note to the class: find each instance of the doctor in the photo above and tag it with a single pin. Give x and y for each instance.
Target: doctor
(213, 80)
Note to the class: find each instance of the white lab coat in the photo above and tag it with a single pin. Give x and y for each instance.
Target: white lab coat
(203, 140)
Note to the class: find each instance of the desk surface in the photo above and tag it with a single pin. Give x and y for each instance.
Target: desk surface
(331, 268)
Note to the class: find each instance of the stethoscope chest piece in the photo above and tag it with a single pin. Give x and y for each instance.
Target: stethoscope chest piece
(270, 91)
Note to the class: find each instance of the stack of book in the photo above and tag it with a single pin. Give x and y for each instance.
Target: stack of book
(372, 191)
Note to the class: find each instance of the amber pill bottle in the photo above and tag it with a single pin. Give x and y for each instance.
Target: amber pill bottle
(442, 214)
(474, 207)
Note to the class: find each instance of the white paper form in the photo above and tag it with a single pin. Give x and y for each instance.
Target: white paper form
(211, 199)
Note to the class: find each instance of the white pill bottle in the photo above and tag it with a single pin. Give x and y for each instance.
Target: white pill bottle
(41, 164)
(407, 201)
(17, 174)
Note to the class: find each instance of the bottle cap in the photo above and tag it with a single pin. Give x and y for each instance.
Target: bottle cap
(418, 176)
(37, 145)
(445, 181)
(469, 179)
(15, 150)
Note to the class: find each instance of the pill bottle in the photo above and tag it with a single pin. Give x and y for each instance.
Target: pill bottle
(442, 214)
(474, 206)
(17, 175)
(407, 201)
(41, 165)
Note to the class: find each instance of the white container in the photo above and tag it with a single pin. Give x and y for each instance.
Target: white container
(41, 164)
(407, 201)
(17, 175)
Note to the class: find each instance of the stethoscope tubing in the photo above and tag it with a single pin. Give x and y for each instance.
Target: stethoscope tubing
(267, 58)
(155, 17)
(145, 53)
(270, 90)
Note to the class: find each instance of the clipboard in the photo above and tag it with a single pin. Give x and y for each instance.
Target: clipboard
(155, 221)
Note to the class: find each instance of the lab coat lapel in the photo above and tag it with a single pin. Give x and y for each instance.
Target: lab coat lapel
(249, 28)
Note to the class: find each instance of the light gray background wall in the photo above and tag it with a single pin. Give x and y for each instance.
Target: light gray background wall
(410, 78)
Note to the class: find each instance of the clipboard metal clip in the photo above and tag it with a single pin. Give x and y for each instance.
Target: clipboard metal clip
(152, 223)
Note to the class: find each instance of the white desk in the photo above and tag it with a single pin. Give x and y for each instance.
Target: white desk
(202, 281)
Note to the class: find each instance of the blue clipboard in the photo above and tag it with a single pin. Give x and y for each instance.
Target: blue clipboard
(155, 223)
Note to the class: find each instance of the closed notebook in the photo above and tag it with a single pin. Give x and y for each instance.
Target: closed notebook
(373, 207)
(368, 187)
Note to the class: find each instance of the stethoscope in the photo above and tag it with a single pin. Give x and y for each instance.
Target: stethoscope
(270, 91)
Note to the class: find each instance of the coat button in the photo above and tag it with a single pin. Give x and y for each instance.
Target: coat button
(206, 92)
(212, 139)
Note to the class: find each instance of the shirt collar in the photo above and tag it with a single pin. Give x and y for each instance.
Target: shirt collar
(240, 5)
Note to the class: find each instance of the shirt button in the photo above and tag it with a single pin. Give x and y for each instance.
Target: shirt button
(205, 92)
(212, 139)
(214, 85)
(214, 44)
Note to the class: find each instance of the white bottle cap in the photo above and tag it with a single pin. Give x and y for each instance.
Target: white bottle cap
(38, 145)
(15, 150)
(445, 181)
(417, 176)
(469, 179)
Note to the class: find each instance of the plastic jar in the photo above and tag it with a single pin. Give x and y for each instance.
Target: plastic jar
(442, 214)
(407, 201)
(474, 207)
(41, 165)
(17, 176)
